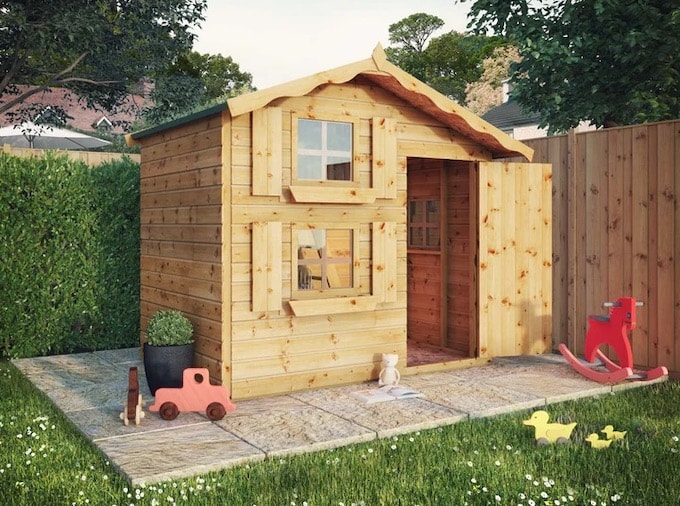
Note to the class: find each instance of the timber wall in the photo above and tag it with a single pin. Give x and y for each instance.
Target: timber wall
(617, 232)
(181, 231)
(273, 349)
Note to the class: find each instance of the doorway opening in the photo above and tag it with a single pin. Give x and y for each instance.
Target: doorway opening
(441, 246)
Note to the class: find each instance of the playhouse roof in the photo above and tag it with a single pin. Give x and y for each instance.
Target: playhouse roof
(390, 77)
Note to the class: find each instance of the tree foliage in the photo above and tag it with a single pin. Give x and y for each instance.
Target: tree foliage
(448, 62)
(99, 49)
(610, 62)
(487, 92)
(195, 80)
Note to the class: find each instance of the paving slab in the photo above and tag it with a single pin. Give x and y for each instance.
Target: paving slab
(385, 419)
(302, 430)
(481, 399)
(176, 453)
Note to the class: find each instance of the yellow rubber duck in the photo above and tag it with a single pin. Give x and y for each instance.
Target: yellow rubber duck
(549, 432)
(596, 442)
(613, 434)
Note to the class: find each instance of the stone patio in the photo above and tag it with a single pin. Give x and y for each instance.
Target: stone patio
(91, 388)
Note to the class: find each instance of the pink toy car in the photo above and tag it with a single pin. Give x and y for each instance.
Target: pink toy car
(195, 394)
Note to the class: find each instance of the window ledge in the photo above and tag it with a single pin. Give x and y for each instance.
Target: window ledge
(316, 307)
(330, 195)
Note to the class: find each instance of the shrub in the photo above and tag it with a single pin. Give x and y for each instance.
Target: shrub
(169, 327)
(69, 244)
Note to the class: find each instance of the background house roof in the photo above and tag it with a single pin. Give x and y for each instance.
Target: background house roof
(80, 117)
(509, 115)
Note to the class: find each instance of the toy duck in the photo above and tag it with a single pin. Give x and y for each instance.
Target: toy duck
(549, 432)
(596, 442)
(613, 434)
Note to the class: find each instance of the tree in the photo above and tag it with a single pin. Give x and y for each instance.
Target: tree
(410, 36)
(448, 63)
(487, 92)
(98, 49)
(610, 62)
(195, 80)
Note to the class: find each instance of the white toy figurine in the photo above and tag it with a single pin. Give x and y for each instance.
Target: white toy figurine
(389, 374)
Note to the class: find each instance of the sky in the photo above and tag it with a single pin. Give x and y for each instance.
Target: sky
(277, 41)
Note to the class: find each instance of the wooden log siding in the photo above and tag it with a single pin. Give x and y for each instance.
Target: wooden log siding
(617, 232)
(181, 231)
(275, 351)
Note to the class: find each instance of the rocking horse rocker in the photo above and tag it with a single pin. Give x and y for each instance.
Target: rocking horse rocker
(611, 329)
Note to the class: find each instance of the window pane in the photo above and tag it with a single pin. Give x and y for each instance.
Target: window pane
(432, 237)
(309, 134)
(432, 211)
(309, 167)
(339, 136)
(415, 237)
(415, 212)
(338, 169)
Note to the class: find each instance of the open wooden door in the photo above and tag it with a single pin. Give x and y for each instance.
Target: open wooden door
(515, 258)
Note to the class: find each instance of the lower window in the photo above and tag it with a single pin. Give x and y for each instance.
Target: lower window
(324, 260)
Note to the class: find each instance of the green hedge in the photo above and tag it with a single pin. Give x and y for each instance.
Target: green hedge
(69, 255)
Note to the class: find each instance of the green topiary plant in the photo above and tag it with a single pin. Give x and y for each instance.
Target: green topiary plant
(169, 327)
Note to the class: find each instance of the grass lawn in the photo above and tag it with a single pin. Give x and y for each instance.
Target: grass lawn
(44, 461)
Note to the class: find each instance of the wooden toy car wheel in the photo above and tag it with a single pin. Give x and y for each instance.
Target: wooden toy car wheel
(215, 411)
(168, 411)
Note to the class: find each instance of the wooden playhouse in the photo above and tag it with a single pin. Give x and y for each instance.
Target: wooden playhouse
(307, 228)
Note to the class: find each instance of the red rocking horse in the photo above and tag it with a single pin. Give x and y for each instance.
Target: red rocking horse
(611, 329)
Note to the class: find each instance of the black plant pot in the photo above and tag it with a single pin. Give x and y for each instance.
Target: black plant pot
(164, 365)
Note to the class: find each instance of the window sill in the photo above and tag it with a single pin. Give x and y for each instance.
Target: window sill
(328, 195)
(316, 307)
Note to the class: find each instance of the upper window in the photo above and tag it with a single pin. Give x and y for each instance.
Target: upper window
(423, 223)
(324, 150)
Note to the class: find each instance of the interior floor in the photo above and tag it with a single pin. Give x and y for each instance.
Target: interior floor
(423, 354)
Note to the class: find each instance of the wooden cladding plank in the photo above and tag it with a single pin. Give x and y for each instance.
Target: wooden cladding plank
(186, 179)
(202, 252)
(384, 160)
(384, 268)
(444, 151)
(275, 366)
(181, 198)
(184, 302)
(198, 141)
(276, 347)
(199, 288)
(267, 151)
(257, 387)
(198, 215)
(294, 327)
(182, 233)
(177, 267)
(267, 267)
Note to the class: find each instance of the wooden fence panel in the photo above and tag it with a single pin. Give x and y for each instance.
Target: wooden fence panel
(91, 158)
(616, 231)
